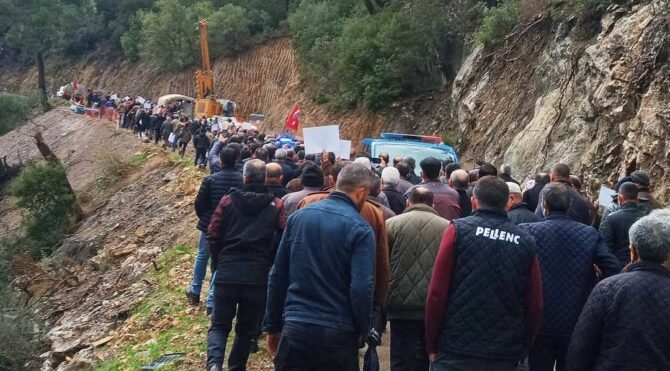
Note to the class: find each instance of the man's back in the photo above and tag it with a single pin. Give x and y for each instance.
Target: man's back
(520, 213)
(212, 190)
(326, 261)
(567, 251)
(624, 325)
(445, 199)
(579, 209)
(614, 229)
(492, 271)
(414, 238)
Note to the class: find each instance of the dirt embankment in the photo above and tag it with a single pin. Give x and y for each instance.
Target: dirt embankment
(263, 80)
(599, 104)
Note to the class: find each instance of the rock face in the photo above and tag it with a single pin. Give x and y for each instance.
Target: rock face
(600, 105)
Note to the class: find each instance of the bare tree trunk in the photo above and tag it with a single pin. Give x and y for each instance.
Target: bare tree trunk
(42, 82)
(50, 156)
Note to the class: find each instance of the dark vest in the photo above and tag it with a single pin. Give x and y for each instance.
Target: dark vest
(485, 309)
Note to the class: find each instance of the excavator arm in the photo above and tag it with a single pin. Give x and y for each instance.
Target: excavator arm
(204, 80)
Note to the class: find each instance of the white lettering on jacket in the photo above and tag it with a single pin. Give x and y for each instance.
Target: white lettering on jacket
(497, 234)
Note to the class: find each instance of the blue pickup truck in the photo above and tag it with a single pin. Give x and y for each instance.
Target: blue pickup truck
(417, 146)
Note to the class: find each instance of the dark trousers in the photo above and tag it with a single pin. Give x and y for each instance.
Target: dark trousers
(182, 148)
(457, 363)
(200, 156)
(306, 347)
(408, 346)
(547, 351)
(248, 304)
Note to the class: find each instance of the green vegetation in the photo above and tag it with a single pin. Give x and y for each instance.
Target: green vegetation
(14, 110)
(19, 342)
(498, 22)
(43, 190)
(164, 322)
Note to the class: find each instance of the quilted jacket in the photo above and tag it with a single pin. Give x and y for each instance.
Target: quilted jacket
(414, 238)
(211, 191)
(624, 325)
(614, 229)
(520, 213)
(485, 315)
(568, 250)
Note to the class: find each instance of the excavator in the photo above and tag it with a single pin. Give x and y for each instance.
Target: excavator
(205, 104)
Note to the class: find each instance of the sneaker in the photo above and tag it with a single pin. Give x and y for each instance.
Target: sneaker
(213, 368)
(193, 299)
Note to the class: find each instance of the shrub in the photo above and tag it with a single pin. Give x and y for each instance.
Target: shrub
(44, 191)
(229, 31)
(19, 334)
(14, 110)
(498, 22)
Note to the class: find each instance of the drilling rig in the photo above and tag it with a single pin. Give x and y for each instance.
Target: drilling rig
(205, 104)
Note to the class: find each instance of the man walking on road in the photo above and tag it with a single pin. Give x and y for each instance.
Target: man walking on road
(568, 250)
(485, 295)
(615, 226)
(518, 211)
(624, 324)
(444, 197)
(211, 191)
(414, 238)
(321, 285)
(242, 236)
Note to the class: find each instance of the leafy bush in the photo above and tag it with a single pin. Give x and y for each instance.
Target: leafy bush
(44, 191)
(14, 110)
(498, 22)
(229, 30)
(378, 59)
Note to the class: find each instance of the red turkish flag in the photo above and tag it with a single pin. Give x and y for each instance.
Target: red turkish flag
(75, 85)
(293, 119)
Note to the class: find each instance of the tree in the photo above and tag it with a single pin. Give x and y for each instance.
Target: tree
(35, 29)
(229, 30)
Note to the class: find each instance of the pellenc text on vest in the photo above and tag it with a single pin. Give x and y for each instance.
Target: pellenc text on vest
(497, 234)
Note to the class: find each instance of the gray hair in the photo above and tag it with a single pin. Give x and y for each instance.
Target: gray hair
(651, 236)
(281, 154)
(460, 180)
(254, 171)
(556, 197)
(354, 176)
(506, 169)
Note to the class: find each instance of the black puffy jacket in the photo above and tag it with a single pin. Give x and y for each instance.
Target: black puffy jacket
(624, 324)
(614, 229)
(212, 190)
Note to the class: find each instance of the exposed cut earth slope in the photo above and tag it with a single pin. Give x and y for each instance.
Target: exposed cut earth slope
(598, 103)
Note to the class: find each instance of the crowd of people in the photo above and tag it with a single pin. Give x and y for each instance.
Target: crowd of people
(470, 270)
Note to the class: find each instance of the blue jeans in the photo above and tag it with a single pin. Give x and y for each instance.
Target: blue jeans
(200, 270)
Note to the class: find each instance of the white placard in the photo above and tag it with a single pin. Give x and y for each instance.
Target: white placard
(140, 100)
(322, 138)
(605, 196)
(345, 149)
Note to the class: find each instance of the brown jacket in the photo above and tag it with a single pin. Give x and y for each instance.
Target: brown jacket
(374, 216)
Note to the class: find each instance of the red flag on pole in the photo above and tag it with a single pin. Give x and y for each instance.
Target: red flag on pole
(293, 119)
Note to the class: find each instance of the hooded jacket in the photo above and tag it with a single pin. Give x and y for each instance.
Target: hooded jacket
(243, 235)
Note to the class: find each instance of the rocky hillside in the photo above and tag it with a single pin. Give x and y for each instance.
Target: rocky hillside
(550, 93)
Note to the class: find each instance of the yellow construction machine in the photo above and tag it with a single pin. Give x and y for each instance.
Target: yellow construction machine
(205, 103)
